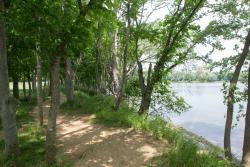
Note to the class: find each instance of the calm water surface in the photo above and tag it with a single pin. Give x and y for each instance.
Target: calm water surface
(207, 116)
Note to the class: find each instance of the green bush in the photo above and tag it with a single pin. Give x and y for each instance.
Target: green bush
(185, 153)
(85, 104)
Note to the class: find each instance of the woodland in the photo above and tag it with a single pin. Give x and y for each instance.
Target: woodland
(81, 81)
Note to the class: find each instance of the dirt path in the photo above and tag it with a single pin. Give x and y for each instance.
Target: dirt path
(94, 145)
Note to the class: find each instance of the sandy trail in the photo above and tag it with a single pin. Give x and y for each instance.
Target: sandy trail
(94, 145)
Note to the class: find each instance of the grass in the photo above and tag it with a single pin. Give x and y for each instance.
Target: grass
(31, 141)
(184, 152)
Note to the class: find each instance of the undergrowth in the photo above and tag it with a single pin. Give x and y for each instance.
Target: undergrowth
(182, 153)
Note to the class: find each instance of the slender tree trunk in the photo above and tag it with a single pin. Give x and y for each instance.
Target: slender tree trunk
(30, 87)
(69, 80)
(15, 87)
(7, 104)
(50, 86)
(55, 101)
(246, 146)
(39, 93)
(118, 100)
(45, 83)
(114, 70)
(231, 98)
(97, 58)
(24, 89)
(34, 83)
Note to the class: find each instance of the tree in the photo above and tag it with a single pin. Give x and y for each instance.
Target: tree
(231, 98)
(125, 62)
(7, 104)
(246, 145)
(68, 80)
(97, 57)
(178, 26)
(39, 91)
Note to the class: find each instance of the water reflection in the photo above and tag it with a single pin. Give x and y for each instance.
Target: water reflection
(207, 115)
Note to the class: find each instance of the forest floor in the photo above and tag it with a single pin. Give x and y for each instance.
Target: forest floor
(88, 144)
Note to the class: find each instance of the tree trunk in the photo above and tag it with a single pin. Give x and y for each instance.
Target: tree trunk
(45, 83)
(34, 83)
(55, 101)
(24, 89)
(15, 87)
(246, 146)
(114, 71)
(69, 80)
(146, 93)
(39, 93)
(230, 98)
(97, 58)
(30, 87)
(50, 86)
(118, 100)
(7, 104)
(153, 78)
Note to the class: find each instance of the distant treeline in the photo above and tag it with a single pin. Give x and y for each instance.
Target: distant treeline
(198, 76)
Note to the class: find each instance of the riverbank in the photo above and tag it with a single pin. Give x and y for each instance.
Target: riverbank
(183, 150)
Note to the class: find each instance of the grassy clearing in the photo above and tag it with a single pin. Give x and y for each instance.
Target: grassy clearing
(31, 141)
(183, 152)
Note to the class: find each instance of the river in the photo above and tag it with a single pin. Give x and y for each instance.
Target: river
(206, 118)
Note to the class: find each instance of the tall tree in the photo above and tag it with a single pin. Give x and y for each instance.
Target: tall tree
(7, 104)
(125, 61)
(179, 22)
(246, 145)
(231, 98)
(39, 91)
(97, 57)
(114, 64)
(55, 101)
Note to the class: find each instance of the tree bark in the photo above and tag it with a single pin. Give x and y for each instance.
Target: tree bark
(146, 93)
(50, 86)
(231, 98)
(15, 87)
(7, 104)
(97, 58)
(114, 66)
(246, 146)
(118, 100)
(55, 101)
(34, 83)
(24, 89)
(69, 80)
(39, 93)
(30, 87)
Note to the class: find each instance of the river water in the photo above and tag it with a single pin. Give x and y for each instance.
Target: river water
(206, 118)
